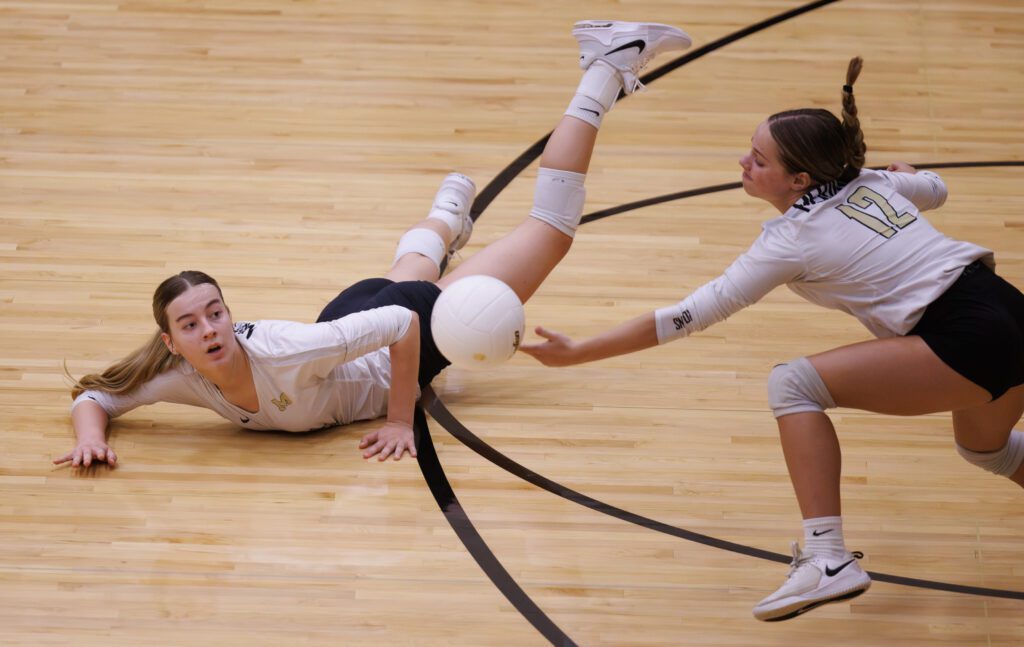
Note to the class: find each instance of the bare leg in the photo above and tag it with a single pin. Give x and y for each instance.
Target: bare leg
(986, 428)
(898, 376)
(415, 267)
(525, 257)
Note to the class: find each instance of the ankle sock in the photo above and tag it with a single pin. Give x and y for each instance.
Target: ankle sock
(824, 536)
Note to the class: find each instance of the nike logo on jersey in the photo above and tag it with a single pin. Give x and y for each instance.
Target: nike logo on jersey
(283, 402)
(832, 572)
(823, 532)
(595, 112)
(638, 44)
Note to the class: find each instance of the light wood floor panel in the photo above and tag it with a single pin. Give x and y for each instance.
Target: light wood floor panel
(284, 146)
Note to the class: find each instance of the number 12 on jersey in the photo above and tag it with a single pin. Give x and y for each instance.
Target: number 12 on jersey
(862, 199)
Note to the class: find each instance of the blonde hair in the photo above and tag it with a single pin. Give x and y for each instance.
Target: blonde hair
(152, 358)
(814, 141)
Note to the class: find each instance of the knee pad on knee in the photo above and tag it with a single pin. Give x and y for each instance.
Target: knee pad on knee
(1004, 462)
(795, 387)
(558, 199)
(424, 242)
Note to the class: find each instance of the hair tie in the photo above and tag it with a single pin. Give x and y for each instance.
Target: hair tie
(848, 89)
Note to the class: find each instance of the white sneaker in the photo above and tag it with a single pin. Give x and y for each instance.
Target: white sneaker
(626, 46)
(812, 582)
(456, 197)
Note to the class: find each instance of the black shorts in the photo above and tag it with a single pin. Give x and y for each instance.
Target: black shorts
(418, 296)
(977, 328)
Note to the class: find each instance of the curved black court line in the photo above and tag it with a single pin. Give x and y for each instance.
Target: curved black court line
(434, 475)
(715, 188)
(441, 413)
(512, 171)
(432, 471)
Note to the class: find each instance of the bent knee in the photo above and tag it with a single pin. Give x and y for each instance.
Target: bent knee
(1003, 462)
(796, 387)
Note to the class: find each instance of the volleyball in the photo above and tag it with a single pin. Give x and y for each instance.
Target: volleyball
(477, 322)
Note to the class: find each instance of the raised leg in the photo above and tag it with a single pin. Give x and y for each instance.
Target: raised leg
(424, 247)
(524, 257)
(612, 54)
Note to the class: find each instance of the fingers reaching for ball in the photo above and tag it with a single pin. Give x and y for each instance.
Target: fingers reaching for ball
(558, 350)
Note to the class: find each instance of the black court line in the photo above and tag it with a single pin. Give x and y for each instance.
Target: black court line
(716, 188)
(453, 511)
(434, 474)
(441, 413)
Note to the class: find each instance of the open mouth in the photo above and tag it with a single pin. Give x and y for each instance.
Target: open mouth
(213, 349)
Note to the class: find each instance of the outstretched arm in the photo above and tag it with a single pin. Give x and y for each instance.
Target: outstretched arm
(772, 260)
(396, 436)
(90, 423)
(628, 337)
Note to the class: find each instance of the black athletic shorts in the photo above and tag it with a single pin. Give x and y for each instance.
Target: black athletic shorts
(977, 328)
(418, 296)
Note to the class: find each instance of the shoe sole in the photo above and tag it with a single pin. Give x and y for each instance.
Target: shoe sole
(790, 613)
(656, 30)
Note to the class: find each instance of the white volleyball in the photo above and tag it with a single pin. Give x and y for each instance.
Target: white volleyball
(478, 322)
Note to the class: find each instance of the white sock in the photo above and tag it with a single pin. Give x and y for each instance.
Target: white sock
(425, 242)
(453, 221)
(596, 94)
(824, 536)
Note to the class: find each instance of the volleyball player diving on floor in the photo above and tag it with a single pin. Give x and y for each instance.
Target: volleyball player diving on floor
(950, 330)
(371, 350)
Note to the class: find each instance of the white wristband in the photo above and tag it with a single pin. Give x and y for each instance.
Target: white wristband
(676, 321)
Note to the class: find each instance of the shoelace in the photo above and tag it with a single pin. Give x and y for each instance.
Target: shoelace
(799, 559)
(635, 70)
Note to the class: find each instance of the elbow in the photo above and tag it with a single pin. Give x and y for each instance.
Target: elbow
(939, 190)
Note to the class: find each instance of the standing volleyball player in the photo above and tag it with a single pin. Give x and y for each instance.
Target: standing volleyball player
(371, 350)
(951, 332)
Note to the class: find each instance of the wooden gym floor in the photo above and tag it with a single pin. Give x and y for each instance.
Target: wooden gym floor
(283, 145)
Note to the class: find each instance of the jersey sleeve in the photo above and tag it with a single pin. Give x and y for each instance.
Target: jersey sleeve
(924, 188)
(170, 386)
(320, 347)
(773, 259)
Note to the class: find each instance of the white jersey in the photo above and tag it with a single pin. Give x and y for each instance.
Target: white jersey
(862, 247)
(308, 376)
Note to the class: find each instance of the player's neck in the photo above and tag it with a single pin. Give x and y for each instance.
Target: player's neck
(235, 380)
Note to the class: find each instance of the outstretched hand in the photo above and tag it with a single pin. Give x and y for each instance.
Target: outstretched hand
(86, 452)
(393, 439)
(558, 350)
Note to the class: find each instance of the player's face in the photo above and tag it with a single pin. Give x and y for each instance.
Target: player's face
(764, 175)
(200, 327)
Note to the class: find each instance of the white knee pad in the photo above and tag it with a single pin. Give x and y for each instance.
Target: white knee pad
(796, 387)
(1004, 462)
(424, 242)
(558, 199)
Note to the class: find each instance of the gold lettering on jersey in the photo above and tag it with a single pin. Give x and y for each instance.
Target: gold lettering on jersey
(862, 199)
(283, 401)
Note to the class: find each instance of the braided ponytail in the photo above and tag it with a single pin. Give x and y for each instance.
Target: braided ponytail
(814, 141)
(851, 124)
